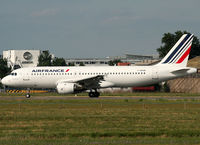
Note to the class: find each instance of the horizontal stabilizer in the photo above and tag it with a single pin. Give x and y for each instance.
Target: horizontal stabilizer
(184, 70)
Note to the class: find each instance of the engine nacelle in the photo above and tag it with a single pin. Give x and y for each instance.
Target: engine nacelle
(68, 88)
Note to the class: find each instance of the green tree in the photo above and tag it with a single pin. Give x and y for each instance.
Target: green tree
(169, 39)
(4, 69)
(59, 62)
(45, 59)
(71, 64)
(81, 64)
(114, 62)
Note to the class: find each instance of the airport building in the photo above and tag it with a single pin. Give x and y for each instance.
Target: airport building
(88, 61)
(29, 58)
(21, 58)
(128, 58)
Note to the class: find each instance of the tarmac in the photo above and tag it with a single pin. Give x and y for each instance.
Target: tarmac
(101, 97)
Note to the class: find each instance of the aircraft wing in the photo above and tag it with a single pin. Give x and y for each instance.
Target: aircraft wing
(87, 82)
(93, 82)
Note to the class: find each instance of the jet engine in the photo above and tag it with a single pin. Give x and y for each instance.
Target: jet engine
(68, 88)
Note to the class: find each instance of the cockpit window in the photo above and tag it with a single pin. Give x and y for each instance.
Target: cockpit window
(13, 74)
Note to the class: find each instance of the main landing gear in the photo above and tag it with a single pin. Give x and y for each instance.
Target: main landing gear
(94, 94)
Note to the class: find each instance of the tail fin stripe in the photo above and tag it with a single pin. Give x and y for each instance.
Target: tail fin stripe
(184, 55)
(177, 48)
(181, 54)
(182, 49)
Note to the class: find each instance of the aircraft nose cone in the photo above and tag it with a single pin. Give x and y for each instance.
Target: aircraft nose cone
(4, 81)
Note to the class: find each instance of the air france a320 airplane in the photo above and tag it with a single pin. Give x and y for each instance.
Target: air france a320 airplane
(79, 79)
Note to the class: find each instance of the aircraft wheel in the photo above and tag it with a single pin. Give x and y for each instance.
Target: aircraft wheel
(91, 94)
(28, 95)
(94, 94)
(97, 94)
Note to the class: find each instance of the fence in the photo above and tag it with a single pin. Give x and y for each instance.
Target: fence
(187, 84)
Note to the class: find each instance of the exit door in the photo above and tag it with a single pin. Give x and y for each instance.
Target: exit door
(155, 74)
(26, 77)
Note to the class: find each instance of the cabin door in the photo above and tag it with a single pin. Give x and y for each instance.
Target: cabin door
(155, 74)
(26, 77)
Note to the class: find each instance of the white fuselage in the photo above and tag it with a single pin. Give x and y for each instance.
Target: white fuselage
(114, 76)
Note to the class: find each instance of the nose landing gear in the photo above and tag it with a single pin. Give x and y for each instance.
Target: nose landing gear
(28, 93)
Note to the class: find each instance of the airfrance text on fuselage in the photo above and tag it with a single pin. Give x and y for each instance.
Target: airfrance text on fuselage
(48, 70)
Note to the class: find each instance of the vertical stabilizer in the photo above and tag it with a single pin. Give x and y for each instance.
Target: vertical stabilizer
(179, 53)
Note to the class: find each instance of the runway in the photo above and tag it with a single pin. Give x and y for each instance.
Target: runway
(100, 98)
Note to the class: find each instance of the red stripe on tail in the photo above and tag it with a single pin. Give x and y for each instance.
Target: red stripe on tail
(184, 55)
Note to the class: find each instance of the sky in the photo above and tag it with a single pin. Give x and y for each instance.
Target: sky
(94, 28)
